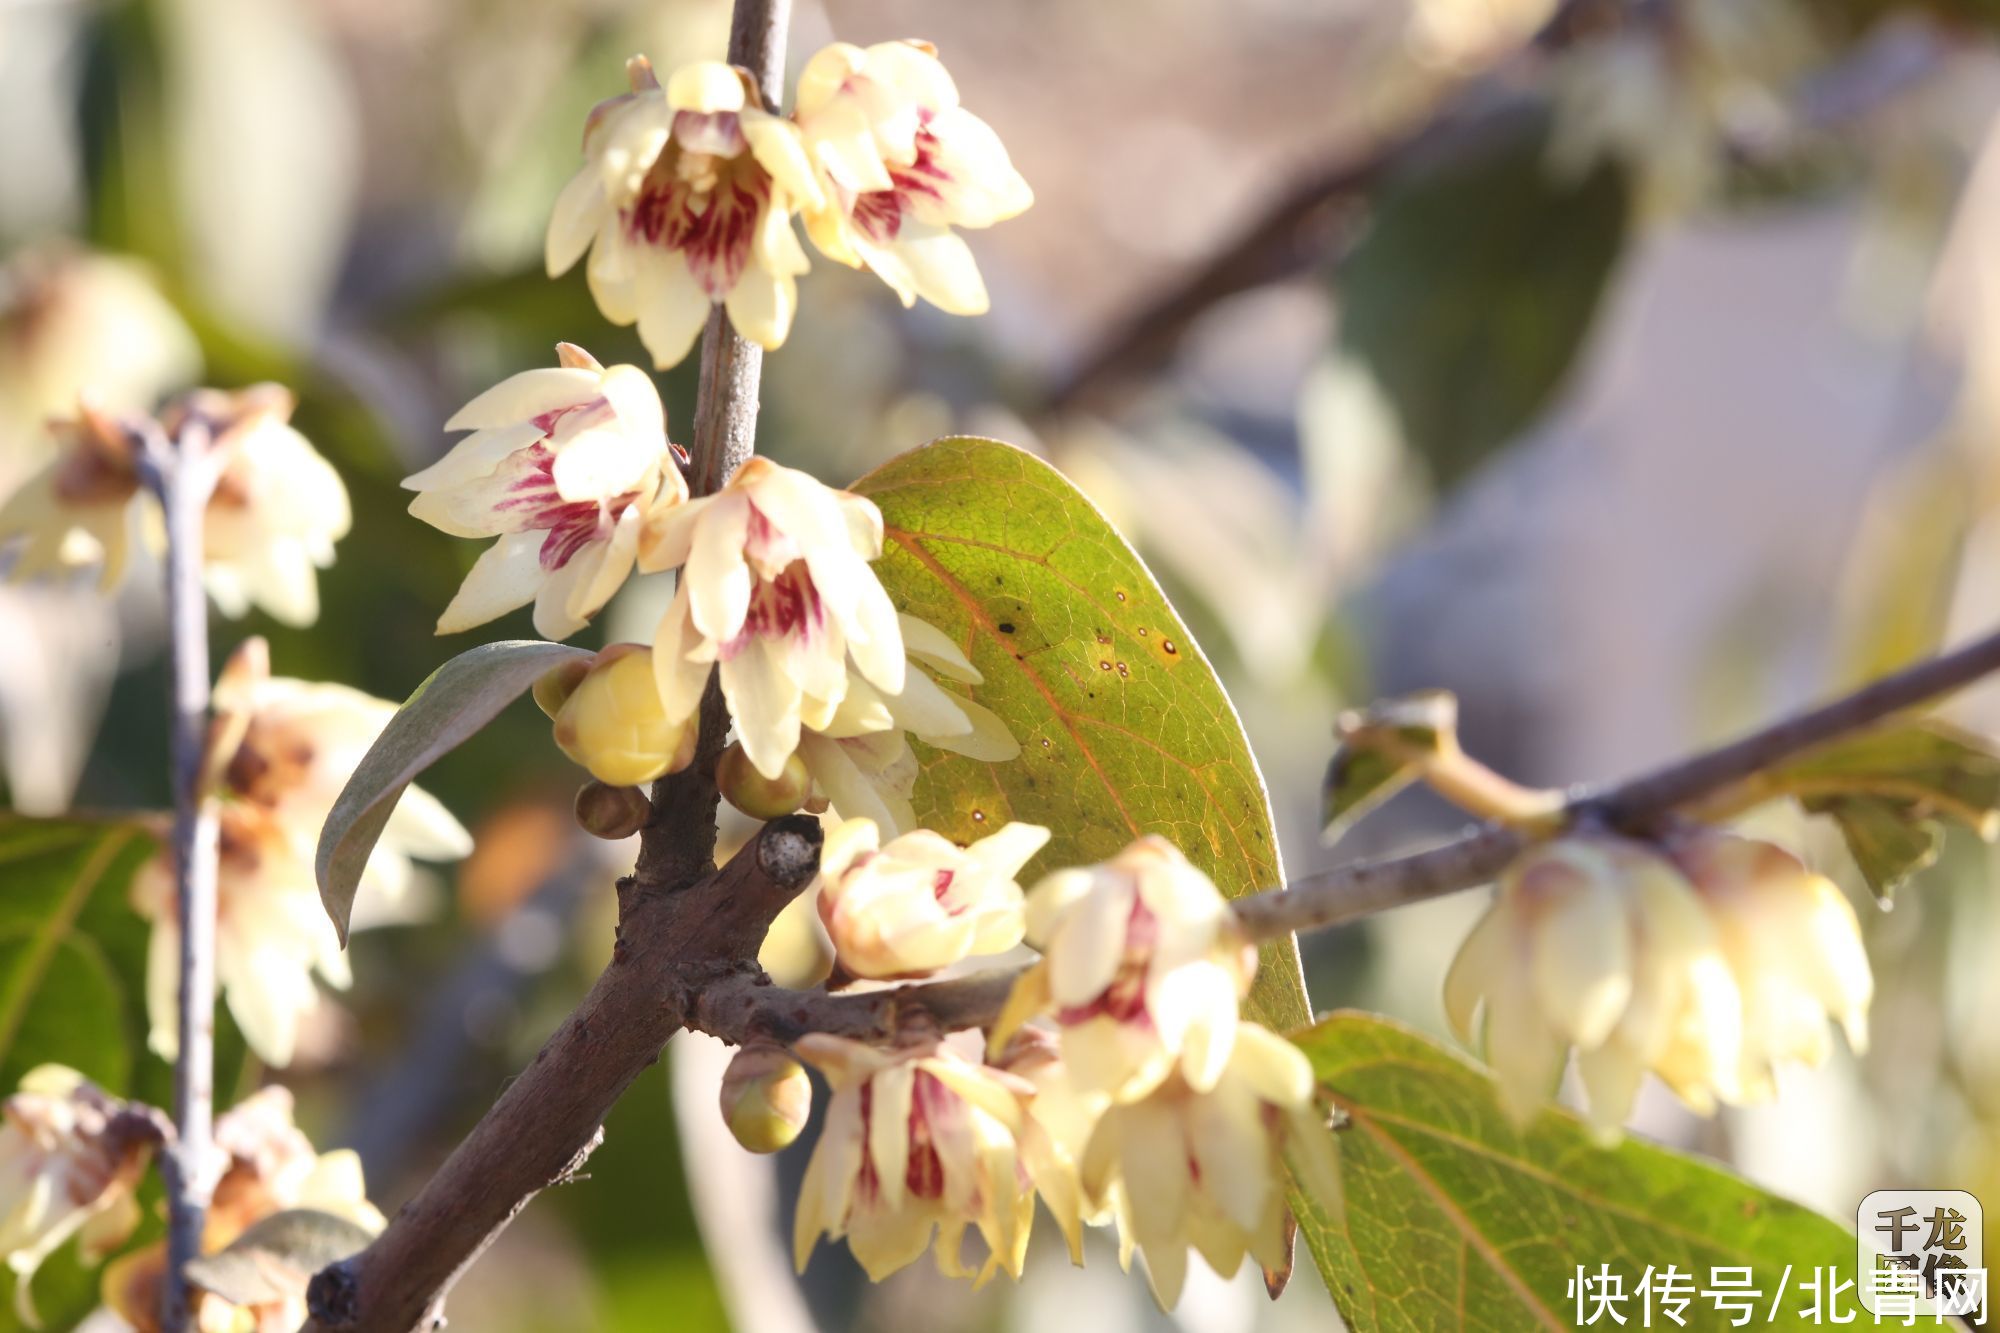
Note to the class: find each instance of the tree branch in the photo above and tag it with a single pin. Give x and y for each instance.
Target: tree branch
(678, 844)
(182, 474)
(670, 947)
(743, 1007)
(682, 923)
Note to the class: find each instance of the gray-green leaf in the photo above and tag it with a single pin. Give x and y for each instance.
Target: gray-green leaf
(275, 1258)
(449, 708)
(1382, 750)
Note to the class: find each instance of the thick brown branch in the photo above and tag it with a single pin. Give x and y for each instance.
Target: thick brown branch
(670, 947)
(748, 1006)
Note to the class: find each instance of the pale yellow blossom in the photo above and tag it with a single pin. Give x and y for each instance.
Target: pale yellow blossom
(1205, 1169)
(281, 751)
(615, 724)
(271, 523)
(861, 761)
(1061, 1117)
(70, 1161)
(900, 164)
(562, 465)
(920, 903)
(271, 1168)
(277, 509)
(86, 508)
(685, 203)
(1794, 946)
(776, 594)
(1599, 944)
(1143, 967)
(917, 1141)
(76, 321)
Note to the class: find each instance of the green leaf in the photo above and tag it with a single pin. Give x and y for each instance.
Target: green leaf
(1382, 750)
(1475, 285)
(1124, 728)
(1889, 840)
(1889, 789)
(72, 953)
(452, 705)
(276, 1257)
(63, 908)
(1456, 1218)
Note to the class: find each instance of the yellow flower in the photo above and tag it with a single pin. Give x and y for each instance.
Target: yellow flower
(85, 508)
(1142, 966)
(76, 321)
(920, 903)
(776, 589)
(916, 1140)
(280, 752)
(1794, 946)
(615, 725)
(272, 1167)
(1205, 1169)
(900, 163)
(562, 465)
(861, 760)
(70, 1160)
(685, 203)
(1061, 1117)
(1599, 944)
(277, 509)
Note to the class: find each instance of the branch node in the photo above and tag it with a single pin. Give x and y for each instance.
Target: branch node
(333, 1297)
(788, 851)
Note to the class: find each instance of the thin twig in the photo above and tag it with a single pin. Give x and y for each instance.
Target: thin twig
(678, 844)
(745, 1007)
(686, 957)
(182, 474)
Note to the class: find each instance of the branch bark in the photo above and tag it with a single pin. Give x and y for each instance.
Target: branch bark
(744, 1007)
(671, 946)
(682, 924)
(181, 473)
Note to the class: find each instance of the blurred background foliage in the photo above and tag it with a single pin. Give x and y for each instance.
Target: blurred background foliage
(1631, 367)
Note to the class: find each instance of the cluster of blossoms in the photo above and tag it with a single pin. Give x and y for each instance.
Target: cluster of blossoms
(272, 1168)
(71, 1156)
(687, 196)
(1146, 1102)
(1709, 961)
(71, 1160)
(570, 468)
(272, 520)
(279, 752)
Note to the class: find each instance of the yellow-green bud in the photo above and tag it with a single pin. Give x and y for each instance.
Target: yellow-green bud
(614, 724)
(766, 1098)
(756, 795)
(555, 688)
(604, 811)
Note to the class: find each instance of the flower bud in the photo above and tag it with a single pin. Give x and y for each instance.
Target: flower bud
(553, 690)
(756, 795)
(604, 811)
(613, 723)
(766, 1098)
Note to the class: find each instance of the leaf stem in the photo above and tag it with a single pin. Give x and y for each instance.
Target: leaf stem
(182, 473)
